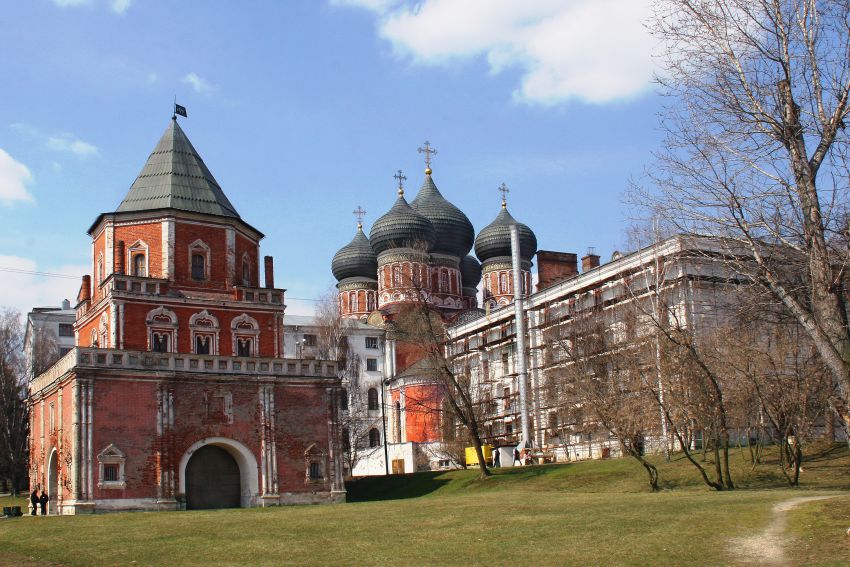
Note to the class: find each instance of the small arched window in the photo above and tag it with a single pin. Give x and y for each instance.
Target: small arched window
(444, 281)
(139, 265)
(343, 399)
(374, 437)
(503, 283)
(372, 397)
(346, 440)
(159, 342)
(199, 266)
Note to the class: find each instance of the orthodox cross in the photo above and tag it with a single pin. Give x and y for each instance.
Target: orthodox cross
(503, 189)
(359, 213)
(401, 179)
(428, 151)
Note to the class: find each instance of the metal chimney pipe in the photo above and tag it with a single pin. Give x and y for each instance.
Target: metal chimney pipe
(519, 325)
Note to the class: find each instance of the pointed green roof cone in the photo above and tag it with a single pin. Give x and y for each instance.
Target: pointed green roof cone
(175, 177)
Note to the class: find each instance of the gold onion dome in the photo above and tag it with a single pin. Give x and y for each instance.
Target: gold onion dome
(452, 229)
(494, 240)
(356, 259)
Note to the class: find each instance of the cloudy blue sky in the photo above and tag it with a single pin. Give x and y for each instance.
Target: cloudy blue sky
(305, 109)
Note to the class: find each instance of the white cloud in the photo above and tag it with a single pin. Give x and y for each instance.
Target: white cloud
(596, 51)
(201, 85)
(63, 142)
(116, 6)
(376, 5)
(14, 177)
(120, 6)
(23, 291)
(71, 144)
(72, 3)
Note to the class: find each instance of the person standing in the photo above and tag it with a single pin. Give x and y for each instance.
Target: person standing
(34, 501)
(43, 501)
(517, 458)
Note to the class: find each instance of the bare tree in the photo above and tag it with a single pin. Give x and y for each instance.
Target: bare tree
(14, 412)
(333, 344)
(598, 381)
(457, 398)
(781, 372)
(757, 152)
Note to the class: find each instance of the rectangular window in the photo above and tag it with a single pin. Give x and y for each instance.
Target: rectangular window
(371, 342)
(310, 340)
(315, 471)
(66, 330)
(110, 472)
(372, 364)
(199, 270)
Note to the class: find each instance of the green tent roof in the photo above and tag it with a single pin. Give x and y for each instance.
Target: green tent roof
(175, 177)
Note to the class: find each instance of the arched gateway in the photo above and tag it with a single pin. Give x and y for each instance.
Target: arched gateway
(212, 480)
(218, 473)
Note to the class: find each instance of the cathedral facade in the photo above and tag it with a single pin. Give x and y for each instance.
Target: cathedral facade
(178, 393)
(418, 253)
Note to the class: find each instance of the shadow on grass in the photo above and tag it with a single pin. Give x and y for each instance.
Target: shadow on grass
(394, 487)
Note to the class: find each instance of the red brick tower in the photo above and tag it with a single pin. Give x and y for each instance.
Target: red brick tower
(176, 394)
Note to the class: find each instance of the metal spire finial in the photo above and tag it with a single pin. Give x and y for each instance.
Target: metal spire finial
(503, 189)
(359, 212)
(401, 179)
(429, 152)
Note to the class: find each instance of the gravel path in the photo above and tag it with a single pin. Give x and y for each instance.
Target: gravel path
(768, 547)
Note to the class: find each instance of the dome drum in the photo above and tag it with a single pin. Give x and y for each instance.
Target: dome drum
(357, 283)
(403, 255)
(504, 263)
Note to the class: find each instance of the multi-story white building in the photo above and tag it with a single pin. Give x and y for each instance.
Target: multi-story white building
(677, 271)
(49, 335)
(361, 351)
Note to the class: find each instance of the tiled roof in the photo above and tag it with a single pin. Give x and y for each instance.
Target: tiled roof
(175, 177)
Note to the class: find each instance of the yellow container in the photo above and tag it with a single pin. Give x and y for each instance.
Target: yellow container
(472, 456)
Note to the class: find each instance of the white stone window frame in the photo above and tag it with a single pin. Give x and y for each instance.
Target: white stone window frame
(197, 327)
(111, 455)
(314, 456)
(155, 321)
(103, 330)
(239, 329)
(139, 247)
(226, 405)
(201, 247)
(100, 270)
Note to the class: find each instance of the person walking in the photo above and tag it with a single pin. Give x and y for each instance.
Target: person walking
(34, 501)
(517, 458)
(43, 501)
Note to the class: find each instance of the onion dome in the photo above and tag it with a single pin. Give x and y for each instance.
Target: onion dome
(470, 272)
(402, 227)
(495, 238)
(356, 259)
(452, 228)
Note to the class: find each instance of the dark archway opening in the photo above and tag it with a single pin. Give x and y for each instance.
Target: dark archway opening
(212, 480)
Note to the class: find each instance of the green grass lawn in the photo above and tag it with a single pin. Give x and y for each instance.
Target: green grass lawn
(592, 513)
